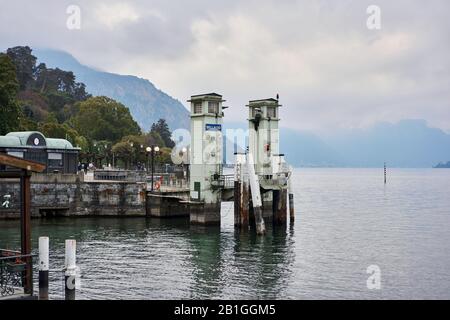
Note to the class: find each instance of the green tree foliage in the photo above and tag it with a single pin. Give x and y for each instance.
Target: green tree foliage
(81, 142)
(9, 109)
(25, 64)
(102, 118)
(44, 90)
(51, 128)
(51, 101)
(163, 130)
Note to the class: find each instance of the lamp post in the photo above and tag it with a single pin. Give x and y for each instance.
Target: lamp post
(151, 151)
(132, 151)
(106, 155)
(94, 153)
(184, 152)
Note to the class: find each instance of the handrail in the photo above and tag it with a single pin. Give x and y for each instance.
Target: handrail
(18, 256)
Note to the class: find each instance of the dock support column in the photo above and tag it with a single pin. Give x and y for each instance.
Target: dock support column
(70, 269)
(291, 207)
(280, 207)
(25, 225)
(241, 204)
(241, 195)
(43, 267)
(237, 203)
(291, 198)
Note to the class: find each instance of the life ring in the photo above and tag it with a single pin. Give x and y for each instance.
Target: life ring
(157, 185)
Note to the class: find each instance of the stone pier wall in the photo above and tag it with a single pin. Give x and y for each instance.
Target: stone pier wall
(69, 196)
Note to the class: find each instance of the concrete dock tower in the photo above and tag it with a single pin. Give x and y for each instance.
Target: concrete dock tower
(206, 158)
(270, 166)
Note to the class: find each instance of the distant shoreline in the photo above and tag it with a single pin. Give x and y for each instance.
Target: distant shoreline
(442, 166)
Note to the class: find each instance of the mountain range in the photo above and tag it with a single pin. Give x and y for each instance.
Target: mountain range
(408, 143)
(147, 103)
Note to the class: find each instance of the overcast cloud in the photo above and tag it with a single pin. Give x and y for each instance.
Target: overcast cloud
(329, 69)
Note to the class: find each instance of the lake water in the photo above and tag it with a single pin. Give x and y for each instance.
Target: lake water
(346, 221)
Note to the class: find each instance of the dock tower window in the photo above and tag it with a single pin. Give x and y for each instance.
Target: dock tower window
(198, 107)
(271, 112)
(213, 107)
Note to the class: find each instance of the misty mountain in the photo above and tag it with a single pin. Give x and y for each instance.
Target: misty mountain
(408, 143)
(147, 104)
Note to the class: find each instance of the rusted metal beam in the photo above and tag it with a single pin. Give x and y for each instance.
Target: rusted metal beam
(20, 163)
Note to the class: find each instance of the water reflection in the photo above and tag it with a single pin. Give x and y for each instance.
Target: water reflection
(402, 227)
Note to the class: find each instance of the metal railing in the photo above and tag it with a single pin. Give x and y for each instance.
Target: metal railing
(224, 181)
(13, 272)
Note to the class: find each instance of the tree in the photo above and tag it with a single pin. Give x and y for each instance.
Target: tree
(10, 111)
(163, 130)
(102, 118)
(122, 151)
(52, 129)
(25, 64)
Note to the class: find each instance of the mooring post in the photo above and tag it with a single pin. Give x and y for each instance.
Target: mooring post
(43, 267)
(241, 194)
(291, 199)
(280, 207)
(25, 226)
(70, 269)
(237, 203)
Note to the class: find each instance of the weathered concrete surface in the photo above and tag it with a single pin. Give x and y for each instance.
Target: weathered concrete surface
(204, 213)
(68, 197)
(166, 206)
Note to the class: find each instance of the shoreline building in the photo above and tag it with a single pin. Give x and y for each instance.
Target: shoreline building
(58, 155)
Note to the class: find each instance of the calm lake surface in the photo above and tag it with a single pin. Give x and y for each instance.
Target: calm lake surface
(346, 221)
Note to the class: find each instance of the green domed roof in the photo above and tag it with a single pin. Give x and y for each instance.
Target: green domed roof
(58, 144)
(23, 135)
(22, 139)
(10, 142)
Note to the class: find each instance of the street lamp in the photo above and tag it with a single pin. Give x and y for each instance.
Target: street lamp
(184, 152)
(132, 151)
(94, 154)
(151, 151)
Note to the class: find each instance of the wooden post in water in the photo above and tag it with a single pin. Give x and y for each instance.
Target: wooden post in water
(43, 267)
(70, 269)
(237, 203)
(25, 190)
(385, 180)
(241, 195)
(280, 207)
(291, 199)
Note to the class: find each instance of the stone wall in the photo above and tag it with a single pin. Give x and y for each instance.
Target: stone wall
(67, 197)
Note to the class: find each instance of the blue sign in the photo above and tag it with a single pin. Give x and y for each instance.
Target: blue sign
(213, 127)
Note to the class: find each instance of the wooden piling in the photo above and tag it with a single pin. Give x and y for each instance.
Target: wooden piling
(280, 207)
(291, 198)
(245, 201)
(237, 204)
(291, 207)
(25, 188)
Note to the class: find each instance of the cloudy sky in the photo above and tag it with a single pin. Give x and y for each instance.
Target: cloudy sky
(330, 70)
